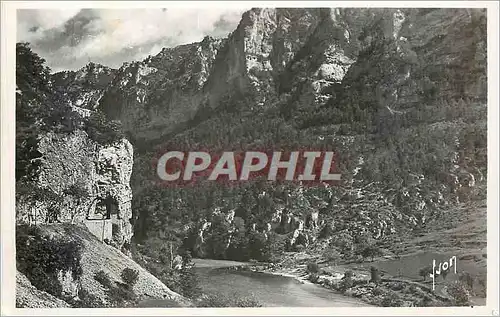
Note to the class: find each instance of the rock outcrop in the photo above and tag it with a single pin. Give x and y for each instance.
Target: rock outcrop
(92, 181)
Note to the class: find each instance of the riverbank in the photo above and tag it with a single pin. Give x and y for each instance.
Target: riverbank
(269, 288)
(389, 291)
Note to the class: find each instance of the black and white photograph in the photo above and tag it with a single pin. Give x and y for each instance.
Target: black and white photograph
(232, 155)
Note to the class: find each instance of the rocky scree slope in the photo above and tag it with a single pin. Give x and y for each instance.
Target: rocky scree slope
(400, 94)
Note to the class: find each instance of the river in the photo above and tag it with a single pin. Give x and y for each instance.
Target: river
(268, 289)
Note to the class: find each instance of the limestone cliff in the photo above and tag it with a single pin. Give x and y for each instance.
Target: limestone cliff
(100, 175)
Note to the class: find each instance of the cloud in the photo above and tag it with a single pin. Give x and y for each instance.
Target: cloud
(68, 39)
(42, 19)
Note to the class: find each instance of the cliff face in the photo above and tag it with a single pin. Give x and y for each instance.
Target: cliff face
(86, 175)
(399, 93)
(303, 52)
(153, 97)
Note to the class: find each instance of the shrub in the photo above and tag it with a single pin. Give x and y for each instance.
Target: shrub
(377, 291)
(119, 294)
(41, 258)
(331, 255)
(102, 130)
(189, 283)
(312, 267)
(247, 302)
(130, 276)
(467, 280)
(214, 300)
(103, 278)
(371, 251)
(482, 289)
(313, 277)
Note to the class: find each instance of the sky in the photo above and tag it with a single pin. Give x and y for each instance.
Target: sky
(68, 39)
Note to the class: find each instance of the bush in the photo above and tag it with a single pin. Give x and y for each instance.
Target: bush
(377, 291)
(130, 276)
(371, 251)
(103, 278)
(119, 295)
(331, 255)
(189, 283)
(214, 300)
(467, 280)
(313, 277)
(312, 267)
(247, 302)
(102, 130)
(41, 258)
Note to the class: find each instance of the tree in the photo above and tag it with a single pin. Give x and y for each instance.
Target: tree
(347, 281)
(41, 257)
(344, 242)
(375, 275)
(371, 251)
(331, 254)
(218, 237)
(312, 267)
(102, 130)
(189, 282)
(39, 109)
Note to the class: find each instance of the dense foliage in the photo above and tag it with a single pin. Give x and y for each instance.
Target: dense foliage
(41, 258)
